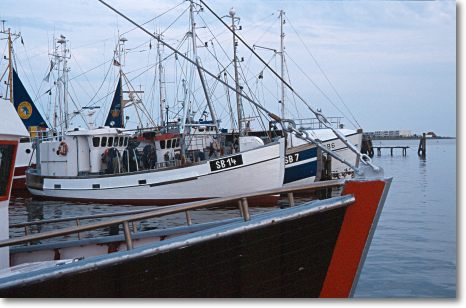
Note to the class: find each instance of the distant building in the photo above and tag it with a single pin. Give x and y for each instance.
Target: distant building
(402, 133)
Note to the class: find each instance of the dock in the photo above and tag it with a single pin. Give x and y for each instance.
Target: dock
(379, 149)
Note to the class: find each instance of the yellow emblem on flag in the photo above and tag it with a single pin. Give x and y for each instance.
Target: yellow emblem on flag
(24, 110)
(115, 113)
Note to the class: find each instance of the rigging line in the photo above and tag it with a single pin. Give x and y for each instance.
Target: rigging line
(230, 111)
(3, 53)
(143, 109)
(315, 85)
(252, 95)
(135, 105)
(272, 115)
(32, 71)
(101, 85)
(294, 97)
(325, 75)
(87, 79)
(150, 20)
(317, 113)
(76, 106)
(169, 26)
(91, 69)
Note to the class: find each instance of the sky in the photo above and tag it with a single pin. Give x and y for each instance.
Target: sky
(392, 64)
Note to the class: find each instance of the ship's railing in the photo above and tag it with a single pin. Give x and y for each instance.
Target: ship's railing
(314, 123)
(132, 217)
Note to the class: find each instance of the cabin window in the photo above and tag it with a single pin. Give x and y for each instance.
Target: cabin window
(95, 141)
(116, 141)
(126, 141)
(177, 142)
(169, 143)
(110, 141)
(162, 144)
(103, 143)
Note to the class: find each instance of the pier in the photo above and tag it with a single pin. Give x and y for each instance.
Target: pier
(379, 149)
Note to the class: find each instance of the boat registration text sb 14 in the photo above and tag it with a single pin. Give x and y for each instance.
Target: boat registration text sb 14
(225, 163)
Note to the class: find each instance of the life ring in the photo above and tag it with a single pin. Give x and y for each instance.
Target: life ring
(63, 148)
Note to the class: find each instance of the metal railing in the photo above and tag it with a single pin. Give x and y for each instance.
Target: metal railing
(314, 123)
(134, 216)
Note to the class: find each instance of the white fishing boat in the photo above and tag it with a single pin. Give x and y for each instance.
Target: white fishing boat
(73, 169)
(169, 165)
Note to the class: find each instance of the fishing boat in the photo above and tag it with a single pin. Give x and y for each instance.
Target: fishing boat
(100, 165)
(107, 164)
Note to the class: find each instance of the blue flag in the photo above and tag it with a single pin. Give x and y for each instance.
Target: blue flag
(24, 105)
(115, 115)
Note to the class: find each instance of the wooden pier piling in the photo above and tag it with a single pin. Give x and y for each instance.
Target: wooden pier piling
(366, 146)
(421, 151)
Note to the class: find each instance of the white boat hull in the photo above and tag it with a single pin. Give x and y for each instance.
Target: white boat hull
(261, 169)
(329, 140)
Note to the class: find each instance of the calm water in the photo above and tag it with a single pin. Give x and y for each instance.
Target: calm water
(413, 253)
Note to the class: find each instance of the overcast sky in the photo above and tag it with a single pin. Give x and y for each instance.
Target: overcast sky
(393, 63)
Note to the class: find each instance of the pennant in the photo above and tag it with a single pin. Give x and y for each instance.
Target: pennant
(115, 114)
(24, 105)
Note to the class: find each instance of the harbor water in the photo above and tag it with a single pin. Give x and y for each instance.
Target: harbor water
(413, 252)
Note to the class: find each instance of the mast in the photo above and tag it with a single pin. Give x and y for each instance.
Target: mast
(235, 62)
(198, 66)
(10, 57)
(282, 60)
(10, 66)
(161, 95)
(61, 56)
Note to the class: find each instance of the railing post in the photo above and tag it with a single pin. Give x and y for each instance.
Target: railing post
(135, 227)
(77, 225)
(291, 199)
(127, 232)
(240, 206)
(188, 218)
(245, 207)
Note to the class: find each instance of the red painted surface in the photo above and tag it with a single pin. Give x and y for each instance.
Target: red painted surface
(19, 184)
(353, 236)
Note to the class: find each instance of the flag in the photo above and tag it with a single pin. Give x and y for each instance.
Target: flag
(46, 79)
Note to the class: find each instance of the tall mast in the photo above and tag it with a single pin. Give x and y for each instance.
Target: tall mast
(61, 56)
(198, 66)
(10, 65)
(235, 62)
(10, 57)
(282, 60)
(121, 52)
(161, 95)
